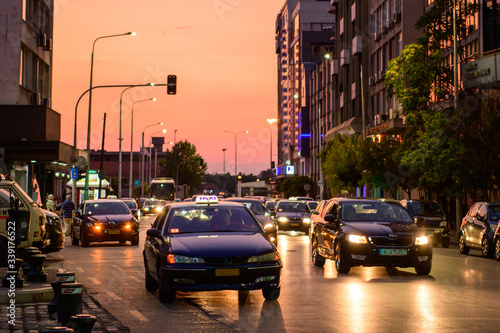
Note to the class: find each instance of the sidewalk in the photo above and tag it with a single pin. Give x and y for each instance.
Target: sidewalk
(31, 307)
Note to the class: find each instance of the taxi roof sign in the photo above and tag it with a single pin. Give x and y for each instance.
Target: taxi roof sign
(207, 199)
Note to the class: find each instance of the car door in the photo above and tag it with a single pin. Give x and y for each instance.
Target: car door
(325, 237)
(468, 224)
(479, 225)
(152, 244)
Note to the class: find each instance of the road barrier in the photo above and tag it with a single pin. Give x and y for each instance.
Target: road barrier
(62, 277)
(70, 302)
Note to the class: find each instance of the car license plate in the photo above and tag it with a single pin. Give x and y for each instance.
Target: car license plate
(294, 224)
(227, 272)
(113, 232)
(393, 252)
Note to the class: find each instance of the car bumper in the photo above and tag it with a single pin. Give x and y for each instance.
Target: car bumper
(221, 278)
(111, 235)
(437, 234)
(390, 256)
(293, 226)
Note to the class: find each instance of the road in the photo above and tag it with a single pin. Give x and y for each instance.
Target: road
(460, 295)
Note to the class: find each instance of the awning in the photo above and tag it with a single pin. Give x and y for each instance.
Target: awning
(93, 183)
(349, 127)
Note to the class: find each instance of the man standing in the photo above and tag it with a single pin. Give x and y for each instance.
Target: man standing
(67, 209)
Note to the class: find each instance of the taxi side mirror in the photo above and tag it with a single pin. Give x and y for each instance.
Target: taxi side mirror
(153, 232)
(330, 218)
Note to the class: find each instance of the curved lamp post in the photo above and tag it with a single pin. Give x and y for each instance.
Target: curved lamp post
(86, 194)
(236, 157)
(131, 174)
(142, 153)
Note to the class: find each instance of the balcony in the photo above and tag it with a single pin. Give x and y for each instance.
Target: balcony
(357, 45)
(344, 57)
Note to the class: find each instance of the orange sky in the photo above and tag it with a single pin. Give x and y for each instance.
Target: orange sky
(222, 52)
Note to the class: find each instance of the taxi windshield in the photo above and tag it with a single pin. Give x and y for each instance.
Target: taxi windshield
(211, 219)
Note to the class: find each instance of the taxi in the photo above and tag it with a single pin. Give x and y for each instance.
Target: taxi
(209, 245)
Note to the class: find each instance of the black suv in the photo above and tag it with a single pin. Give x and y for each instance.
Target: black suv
(369, 232)
(429, 216)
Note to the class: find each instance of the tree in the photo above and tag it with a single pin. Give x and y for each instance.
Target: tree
(296, 186)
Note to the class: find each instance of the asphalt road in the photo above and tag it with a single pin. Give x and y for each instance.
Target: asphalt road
(460, 295)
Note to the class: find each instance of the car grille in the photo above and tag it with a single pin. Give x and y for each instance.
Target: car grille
(227, 261)
(387, 241)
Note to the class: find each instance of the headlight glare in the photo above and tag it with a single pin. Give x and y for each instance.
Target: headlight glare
(421, 240)
(282, 219)
(358, 239)
(306, 220)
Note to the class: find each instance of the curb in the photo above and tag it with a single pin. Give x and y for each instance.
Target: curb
(27, 294)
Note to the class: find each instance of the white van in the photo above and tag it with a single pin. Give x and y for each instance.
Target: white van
(12, 196)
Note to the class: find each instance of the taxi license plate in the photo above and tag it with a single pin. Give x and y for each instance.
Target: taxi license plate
(294, 224)
(227, 272)
(113, 232)
(393, 252)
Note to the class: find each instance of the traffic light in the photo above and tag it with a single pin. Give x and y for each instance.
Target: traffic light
(81, 174)
(171, 84)
(273, 165)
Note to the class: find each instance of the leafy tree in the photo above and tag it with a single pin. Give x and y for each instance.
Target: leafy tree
(296, 186)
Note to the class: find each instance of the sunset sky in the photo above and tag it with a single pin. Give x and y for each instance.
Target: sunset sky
(222, 52)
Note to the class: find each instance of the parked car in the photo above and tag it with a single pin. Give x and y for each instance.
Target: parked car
(259, 210)
(209, 245)
(429, 216)
(153, 206)
(292, 215)
(104, 220)
(478, 228)
(369, 232)
(55, 232)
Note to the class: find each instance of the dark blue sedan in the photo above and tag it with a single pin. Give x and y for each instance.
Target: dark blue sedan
(207, 245)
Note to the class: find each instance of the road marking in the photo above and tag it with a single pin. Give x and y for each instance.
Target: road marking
(95, 281)
(114, 296)
(138, 315)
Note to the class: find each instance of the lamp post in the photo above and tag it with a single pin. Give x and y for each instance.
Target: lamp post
(131, 175)
(271, 121)
(142, 155)
(86, 194)
(224, 161)
(150, 143)
(236, 156)
(120, 159)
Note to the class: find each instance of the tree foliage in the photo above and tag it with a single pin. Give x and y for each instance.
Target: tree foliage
(296, 186)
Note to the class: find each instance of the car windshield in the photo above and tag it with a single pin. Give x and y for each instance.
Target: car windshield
(424, 208)
(271, 204)
(377, 212)
(300, 207)
(211, 219)
(495, 212)
(155, 203)
(312, 204)
(255, 207)
(131, 204)
(106, 208)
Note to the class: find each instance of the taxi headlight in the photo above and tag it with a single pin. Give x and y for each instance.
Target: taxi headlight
(272, 256)
(358, 239)
(443, 224)
(306, 220)
(146, 208)
(269, 226)
(421, 240)
(158, 209)
(282, 219)
(177, 259)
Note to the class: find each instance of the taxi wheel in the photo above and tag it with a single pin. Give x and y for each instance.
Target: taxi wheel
(74, 240)
(486, 248)
(423, 270)
(165, 293)
(462, 248)
(317, 259)
(271, 294)
(496, 253)
(341, 264)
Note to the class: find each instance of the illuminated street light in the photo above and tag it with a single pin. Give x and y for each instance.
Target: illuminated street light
(236, 155)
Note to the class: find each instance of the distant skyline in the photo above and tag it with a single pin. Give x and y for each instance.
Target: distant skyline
(222, 52)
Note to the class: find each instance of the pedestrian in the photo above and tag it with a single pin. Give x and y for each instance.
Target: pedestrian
(67, 212)
(51, 203)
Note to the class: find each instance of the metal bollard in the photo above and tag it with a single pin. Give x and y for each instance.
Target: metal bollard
(57, 329)
(64, 277)
(70, 302)
(37, 274)
(14, 276)
(82, 323)
(27, 263)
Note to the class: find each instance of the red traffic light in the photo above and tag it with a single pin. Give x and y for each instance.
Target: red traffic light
(171, 84)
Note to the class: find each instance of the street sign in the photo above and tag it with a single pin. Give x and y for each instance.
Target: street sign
(73, 173)
(321, 183)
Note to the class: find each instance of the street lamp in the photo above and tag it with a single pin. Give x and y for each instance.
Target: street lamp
(130, 183)
(236, 156)
(224, 161)
(150, 143)
(271, 121)
(90, 107)
(142, 155)
(120, 139)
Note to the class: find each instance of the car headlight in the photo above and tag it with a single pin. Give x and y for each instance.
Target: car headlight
(146, 208)
(422, 240)
(306, 220)
(443, 224)
(282, 219)
(177, 259)
(358, 239)
(272, 256)
(158, 209)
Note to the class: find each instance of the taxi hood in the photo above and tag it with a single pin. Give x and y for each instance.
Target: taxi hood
(220, 244)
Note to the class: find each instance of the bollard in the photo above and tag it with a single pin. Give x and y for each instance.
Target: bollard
(64, 277)
(82, 323)
(27, 262)
(57, 329)
(14, 275)
(37, 274)
(70, 302)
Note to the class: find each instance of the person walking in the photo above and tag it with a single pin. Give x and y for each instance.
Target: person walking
(51, 203)
(67, 212)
